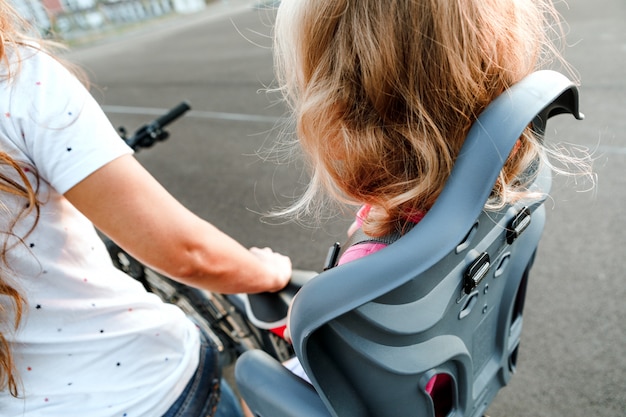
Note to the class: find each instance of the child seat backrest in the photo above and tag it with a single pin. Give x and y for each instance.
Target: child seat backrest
(445, 300)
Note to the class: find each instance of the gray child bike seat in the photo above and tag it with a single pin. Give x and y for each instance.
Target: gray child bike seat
(445, 299)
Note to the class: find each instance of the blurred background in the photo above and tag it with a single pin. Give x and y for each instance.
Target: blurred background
(144, 56)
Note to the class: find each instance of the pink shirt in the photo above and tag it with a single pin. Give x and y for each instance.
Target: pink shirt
(363, 249)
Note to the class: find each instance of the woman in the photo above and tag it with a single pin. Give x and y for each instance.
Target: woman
(77, 336)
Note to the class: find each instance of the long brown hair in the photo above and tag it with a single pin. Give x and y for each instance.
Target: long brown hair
(384, 93)
(13, 181)
(23, 189)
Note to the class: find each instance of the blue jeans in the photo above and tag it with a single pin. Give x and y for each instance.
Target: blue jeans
(206, 394)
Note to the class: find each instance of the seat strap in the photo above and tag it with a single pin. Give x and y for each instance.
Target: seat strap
(357, 238)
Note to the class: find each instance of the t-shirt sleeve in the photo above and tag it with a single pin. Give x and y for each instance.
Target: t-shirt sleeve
(64, 130)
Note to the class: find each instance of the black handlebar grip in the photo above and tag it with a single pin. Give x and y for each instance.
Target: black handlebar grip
(173, 114)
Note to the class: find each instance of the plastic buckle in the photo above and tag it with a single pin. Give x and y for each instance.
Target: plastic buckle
(476, 272)
(332, 257)
(518, 225)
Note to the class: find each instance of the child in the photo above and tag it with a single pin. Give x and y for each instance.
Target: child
(77, 336)
(384, 92)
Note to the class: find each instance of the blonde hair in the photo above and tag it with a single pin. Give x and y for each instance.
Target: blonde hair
(384, 93)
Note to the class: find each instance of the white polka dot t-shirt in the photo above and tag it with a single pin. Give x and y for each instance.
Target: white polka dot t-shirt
(92, 341)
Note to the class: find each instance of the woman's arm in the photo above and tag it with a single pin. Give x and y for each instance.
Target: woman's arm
(148, 222)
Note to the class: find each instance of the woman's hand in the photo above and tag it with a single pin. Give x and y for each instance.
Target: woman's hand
(277, 265)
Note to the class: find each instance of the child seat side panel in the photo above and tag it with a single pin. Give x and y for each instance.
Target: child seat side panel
(366, 362)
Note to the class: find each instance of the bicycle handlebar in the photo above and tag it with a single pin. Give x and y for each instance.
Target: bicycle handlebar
(173, 114)
(148, 134)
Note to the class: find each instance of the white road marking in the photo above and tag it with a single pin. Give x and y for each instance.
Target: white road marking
(152, 111)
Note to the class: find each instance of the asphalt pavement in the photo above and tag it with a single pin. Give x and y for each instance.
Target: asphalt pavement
(572, 360)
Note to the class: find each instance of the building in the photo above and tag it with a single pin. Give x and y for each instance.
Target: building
(34, 11)
(69, 19)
